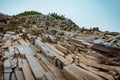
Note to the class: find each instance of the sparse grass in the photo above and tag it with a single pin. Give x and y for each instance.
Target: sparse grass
(13, 25)
(35, 31)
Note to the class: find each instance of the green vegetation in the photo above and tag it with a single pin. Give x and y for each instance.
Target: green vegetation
(12, 26)
(3, 20)
(35, 31)
(26, 13)
(55, 15)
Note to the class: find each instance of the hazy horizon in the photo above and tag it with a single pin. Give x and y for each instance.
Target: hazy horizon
(104, 14)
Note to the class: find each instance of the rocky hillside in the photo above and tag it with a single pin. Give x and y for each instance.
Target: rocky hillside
(35, 19)
(51, 47)
(50, 22)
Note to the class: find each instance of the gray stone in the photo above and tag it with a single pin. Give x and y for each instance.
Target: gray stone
(99, 41)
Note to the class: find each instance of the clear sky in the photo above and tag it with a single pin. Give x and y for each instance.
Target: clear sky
(104, 14)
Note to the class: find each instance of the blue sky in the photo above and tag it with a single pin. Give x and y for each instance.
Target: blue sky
(104, 14)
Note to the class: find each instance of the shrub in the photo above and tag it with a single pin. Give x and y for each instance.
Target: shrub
(55, 15)
(26, 13)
